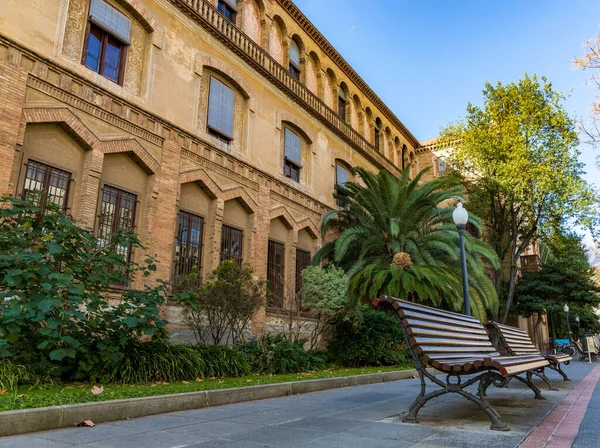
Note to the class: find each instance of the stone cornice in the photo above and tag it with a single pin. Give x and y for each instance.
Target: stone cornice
(330, 50)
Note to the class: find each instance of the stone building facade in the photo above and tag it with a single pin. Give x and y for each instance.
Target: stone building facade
(214, 128)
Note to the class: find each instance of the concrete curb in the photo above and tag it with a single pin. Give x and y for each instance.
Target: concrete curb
(54, 417)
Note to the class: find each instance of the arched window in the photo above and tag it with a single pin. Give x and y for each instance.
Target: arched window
(342, 103)
(294, 60)
(228, 8)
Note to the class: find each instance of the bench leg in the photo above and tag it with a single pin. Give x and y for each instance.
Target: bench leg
(542, 374)
(531, 385)
(557, 368)
(485, 380)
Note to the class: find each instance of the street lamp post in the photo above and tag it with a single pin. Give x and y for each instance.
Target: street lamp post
(461, 217)
(566, 308)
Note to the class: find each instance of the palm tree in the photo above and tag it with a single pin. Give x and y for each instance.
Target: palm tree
(396, 237)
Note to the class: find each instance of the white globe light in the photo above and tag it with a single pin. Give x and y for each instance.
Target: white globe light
(566, 308)
(577, 319)
(460, 215)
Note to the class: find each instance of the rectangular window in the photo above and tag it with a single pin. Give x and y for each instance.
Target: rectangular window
(220, 110)
(342, 108)
(110, 20)
(51, 184)
(228, 9)
(303, 260)
(231, 244)
(292, 155)
(188, 245)
(341, 177)
(441, 165)
(275, 274)
(104, 54)
(376, 132)
(117, 212)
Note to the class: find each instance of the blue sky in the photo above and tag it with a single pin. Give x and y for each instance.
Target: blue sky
(426, 59)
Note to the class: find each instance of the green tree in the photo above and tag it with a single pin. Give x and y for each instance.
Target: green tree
(518, 158)
(57, 309)
(397, 237)
(566, 277)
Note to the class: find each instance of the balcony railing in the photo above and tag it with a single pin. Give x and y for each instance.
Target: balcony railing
(211, 19)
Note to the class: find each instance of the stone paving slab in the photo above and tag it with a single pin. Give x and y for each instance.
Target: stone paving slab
(367, 416)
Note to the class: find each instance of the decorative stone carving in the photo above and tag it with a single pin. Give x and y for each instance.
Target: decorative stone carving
(75, 29)
(135, 59)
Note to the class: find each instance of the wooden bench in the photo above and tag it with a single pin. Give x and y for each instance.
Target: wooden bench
(457, 345)
(511, 341)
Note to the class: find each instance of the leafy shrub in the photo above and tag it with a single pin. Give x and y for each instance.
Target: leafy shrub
(220, 308)
(54, 287)
(145, 362)
(275, 353)
(222, 361)
(376, 341)
(13, 375)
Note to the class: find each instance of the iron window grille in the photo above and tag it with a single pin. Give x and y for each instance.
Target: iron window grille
(188, 245)
(232, 244)
(275, 275)
(303, 260)
(117, 212)
(50, 185)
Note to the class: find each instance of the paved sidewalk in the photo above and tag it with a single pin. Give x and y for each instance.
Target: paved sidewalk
(361, 416)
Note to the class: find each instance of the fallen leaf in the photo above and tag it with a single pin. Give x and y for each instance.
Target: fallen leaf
(153, 384)
(185, 382)
(249, 381)
(199, 379)
(97, 390)
(21, 395)
(164, 383)
(86, 423)
(2, 391)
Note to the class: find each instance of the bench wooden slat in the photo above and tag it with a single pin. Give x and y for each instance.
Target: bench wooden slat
(447, 342)
(429, 318)
(415, 331)
(408, 306)
(412, 324)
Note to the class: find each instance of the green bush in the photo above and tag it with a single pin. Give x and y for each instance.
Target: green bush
(145, 362)
(376, 341)
(275, 353)
(55, 280)
(222, 361)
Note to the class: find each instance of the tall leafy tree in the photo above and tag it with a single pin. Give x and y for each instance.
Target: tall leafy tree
(591, 60)
(566, 277)
(519, 161)
(397, 237)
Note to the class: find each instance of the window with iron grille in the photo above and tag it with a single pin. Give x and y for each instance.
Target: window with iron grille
(303, 260)
(231, 244)
(292, 155)
(275, 274)
(117, 212)
(188, 245)
(50, 184)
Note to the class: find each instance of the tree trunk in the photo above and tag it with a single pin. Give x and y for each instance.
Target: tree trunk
(511, 281)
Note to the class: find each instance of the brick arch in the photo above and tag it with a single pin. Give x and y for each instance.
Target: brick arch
(134, 149)
(309, 225)
(282, 213)
(199, 175)
(239, 194)
(283, 116)
(64, 118)
(139, 11)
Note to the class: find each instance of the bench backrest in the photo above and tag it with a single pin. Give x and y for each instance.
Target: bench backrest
(513, 341)
(441, 335)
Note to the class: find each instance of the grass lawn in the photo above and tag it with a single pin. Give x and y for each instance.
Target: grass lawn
(24, 398)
